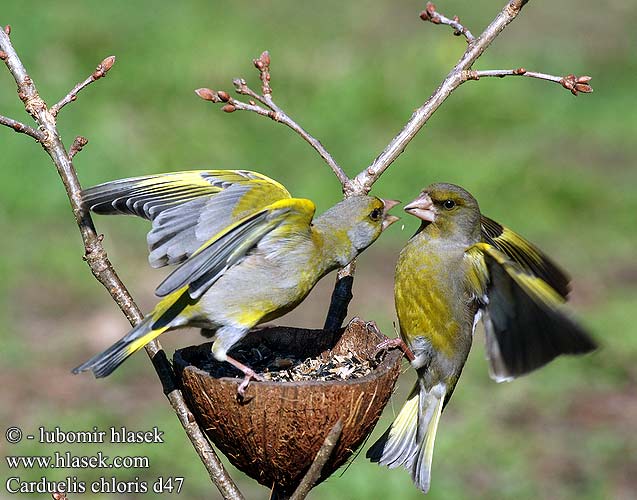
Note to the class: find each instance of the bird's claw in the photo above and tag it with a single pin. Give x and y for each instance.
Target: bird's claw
(395, 343)
(249, 374)
(246, 381)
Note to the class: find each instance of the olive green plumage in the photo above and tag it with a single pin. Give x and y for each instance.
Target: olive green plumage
(247, 251)
(458, 266)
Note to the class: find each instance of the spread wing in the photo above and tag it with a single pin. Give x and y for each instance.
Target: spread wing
(227, 248)
(527, 255)
(186, 208)
(526, 322)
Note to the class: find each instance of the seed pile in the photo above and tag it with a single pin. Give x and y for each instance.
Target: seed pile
(285, 367)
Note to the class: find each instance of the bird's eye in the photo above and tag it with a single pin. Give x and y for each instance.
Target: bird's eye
(448, 204)
(375, 214)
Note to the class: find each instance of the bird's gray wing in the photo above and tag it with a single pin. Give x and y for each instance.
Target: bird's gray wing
(526, 323)
(227, 248)
(186, 208)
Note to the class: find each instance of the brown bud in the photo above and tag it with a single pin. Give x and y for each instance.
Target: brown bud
(223, 95)
(77, 145)
(265, 58)
(207, 94)
(584, 79)
(429, 14)
(228, 108)
(108, 63)
(568, 82)
(7, 29)
(3, 55)
(258, 64)
(519, 71)
(238, 81)
(583, 87)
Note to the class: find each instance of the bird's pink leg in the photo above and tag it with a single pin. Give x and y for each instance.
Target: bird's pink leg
(249, 373)
(388, 344)
(394, 343)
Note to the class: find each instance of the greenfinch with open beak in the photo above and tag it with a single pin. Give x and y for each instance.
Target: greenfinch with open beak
(247, 251)
(459, 266)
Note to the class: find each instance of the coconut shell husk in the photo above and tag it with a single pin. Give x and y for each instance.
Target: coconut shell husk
(274, 433)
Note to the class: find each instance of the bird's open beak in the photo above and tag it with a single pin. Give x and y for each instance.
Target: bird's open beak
(388, 220)
(423, 208)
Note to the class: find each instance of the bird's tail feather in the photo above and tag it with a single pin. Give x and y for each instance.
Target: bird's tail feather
(104, 363)
(409, 441)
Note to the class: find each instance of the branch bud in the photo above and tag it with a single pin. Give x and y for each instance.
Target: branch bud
(207, 94)
(228, 108)
(429, 14)
(103, 67)
(77, 146)
(223, 95)
(577, 84)
(7, 29)
(519, 71)
(3, 55)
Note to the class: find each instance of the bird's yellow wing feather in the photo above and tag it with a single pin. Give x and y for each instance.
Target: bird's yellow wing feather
(208, 263)
(526, 322)
(527, 255)
(186, 208)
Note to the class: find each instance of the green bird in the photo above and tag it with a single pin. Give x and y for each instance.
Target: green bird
(247, 252)
(458, 267)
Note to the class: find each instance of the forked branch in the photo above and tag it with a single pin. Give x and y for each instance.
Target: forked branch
(263, 104)
(433, 16)
(269, 108)
(100, 72)
(95, 255)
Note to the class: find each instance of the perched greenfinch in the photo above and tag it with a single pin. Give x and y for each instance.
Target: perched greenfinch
(247, 251)
(459, 266)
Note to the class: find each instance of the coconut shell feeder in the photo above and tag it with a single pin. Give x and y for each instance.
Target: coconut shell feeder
(274, 433)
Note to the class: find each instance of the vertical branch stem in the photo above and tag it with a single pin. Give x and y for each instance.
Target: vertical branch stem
(101, 267)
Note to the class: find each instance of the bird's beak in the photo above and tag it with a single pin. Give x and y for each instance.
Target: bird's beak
(388, 220)
(423, 208)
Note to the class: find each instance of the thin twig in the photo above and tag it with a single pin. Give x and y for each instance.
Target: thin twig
(21, 127)
(100, 71)
(270, 110)
(433, 16)
(103, 270)
(571, 82)
(323, 455)
(363, 182)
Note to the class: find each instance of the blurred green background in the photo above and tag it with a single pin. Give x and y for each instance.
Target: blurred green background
(558, 169)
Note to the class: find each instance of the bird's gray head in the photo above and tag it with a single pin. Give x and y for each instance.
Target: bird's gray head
(449, 209)
(355, 223)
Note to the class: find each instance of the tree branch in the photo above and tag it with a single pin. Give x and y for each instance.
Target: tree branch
(100, 71)
(363, 182)
(433, 16)
(271, 110)
(570, 82)
(98, 261)
(21, 127)
(323, 455)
